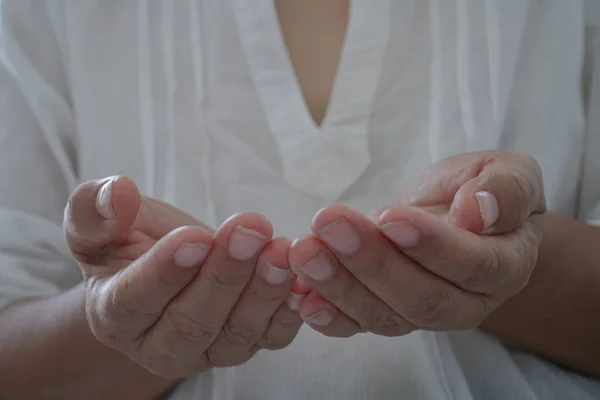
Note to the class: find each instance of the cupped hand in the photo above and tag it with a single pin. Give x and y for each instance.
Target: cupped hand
(443, 256)
(167, 291)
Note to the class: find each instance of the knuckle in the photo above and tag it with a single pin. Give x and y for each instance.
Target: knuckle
(166, 280)
(283, 334)
(265, 298)
(526, 159)
(272, 341)
(103, 333)
(432, 310)
(76, 210)
(162, 364)
(72, 211)
(241, 333)
(531, 180)
(100, 318)
(375, 266)
(484, 271)
(187, 328)
(343, 290)
(227, 280)
(288, 324)
(524, 188)
(388, 324)
(372, 266)
(123, 302)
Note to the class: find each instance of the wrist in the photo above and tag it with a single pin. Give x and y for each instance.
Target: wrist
(555, 315)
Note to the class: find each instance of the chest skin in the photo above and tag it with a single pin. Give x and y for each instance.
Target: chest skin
(314, 32)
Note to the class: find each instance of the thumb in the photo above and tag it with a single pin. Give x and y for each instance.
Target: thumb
(500, 198)
(97, 213)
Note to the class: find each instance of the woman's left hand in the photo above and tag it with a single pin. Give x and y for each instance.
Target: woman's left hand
(443, 257)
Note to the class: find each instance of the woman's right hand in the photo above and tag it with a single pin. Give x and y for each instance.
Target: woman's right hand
(166, 291)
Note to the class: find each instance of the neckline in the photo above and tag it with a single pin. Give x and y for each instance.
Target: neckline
(338, 147)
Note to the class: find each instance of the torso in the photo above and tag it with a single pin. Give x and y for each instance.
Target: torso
(200, 110)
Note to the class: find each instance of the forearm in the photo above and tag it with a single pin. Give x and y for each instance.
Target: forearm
(47, 350)
(558, 314)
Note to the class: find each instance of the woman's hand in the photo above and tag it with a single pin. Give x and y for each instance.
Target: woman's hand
(443, 257)
(161, 288)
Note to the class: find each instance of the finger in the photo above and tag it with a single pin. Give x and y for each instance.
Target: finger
(496, 266)
(97, 213)
(490, 192)
(424, 299)
(300, 287)
(298, 294)
(132, 300)
(318, 267)
(249, 319)
(282, 329)
(194, 318)
(326, 318)
(157, 218)
(506, 192)
(439, 184)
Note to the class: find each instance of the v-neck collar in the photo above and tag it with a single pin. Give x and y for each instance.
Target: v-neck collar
(320, 160)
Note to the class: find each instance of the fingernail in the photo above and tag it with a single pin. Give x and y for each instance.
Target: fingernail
(318, 269)
(294, 301)
(375, 216)
(272, 274)
(403, 233)
(341, 236)
(321, 318)
(488, 209)
(189, 254)
(245, 243)
(104, 201)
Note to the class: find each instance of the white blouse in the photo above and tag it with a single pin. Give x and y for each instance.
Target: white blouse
(196, 100)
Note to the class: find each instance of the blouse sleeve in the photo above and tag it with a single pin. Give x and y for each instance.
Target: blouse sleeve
(37, 160)
(589, 209)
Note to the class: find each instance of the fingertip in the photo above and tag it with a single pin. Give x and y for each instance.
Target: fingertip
(90, 223)
(126, 197)
(322, 316)
(276, 253)
(250, 221)
(301, 287)
(375, 215)
(303, 250)
(410, 227)
(398, 214)
(104, 201)
(243, 236)
(189, 245)
(191, 233)
(489, 210)
(329, 214)
(294, 301)
(182, 245)
(313, 303)
(466, 212)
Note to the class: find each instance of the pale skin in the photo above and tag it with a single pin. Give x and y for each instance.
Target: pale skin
(435, 259)
(159, 287)
(165, 328)
(440, 257)
(175, 297)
